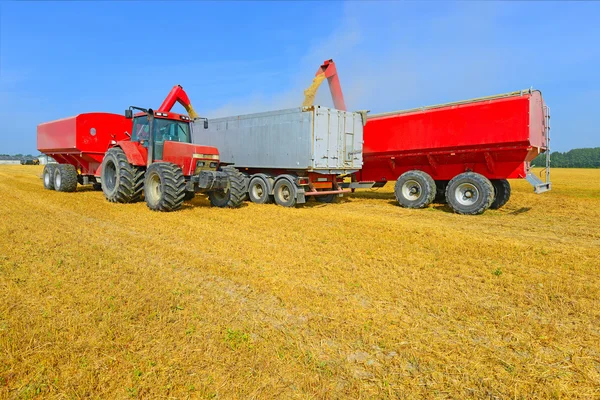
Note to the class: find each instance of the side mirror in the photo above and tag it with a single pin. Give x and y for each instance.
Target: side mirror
(206, 124)
(129, 114)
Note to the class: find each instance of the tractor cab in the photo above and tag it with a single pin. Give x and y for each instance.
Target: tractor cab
(166, 136)
(160, 128)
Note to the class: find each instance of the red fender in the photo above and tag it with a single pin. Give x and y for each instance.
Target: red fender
(136, 153)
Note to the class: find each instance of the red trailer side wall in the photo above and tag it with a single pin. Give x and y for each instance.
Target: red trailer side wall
(494, 137)
(83, 139)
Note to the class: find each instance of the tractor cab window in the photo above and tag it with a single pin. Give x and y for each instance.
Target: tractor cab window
(169, 130)
(141, 130)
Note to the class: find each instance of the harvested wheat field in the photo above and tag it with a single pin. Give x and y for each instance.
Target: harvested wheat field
(359, 299)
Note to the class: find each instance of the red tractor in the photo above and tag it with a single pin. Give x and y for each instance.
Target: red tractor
(148, 154)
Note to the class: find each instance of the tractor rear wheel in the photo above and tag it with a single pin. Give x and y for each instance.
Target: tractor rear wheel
(65, 178)
(501, 193)
(49, 176)
(469, 193)
(235, 193)
(415, 189)
(164, 187)
(121, 181)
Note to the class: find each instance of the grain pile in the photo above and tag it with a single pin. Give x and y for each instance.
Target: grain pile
(359, 299)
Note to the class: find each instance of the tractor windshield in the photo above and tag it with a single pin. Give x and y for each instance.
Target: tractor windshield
(173, 130)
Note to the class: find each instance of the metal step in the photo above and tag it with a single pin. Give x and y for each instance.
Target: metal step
(539, 186)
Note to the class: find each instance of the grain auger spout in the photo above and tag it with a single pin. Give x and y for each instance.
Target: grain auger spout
(178, 95)
(329, 71)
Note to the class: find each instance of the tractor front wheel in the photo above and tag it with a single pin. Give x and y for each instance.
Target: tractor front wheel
(121, 181)
(164, 187)
(236, 191)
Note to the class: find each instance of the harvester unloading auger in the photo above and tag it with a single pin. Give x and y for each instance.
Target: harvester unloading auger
(329, 71)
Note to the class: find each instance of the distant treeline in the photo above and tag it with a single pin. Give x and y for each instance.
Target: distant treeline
(576, 158)
(16, 157)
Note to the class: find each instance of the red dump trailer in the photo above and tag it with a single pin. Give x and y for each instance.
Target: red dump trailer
(463, 152)
(81, 141)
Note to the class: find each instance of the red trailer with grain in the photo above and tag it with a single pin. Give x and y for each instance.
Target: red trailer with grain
(463, 152)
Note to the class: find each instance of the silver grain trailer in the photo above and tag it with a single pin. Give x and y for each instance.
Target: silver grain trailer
(289, 154)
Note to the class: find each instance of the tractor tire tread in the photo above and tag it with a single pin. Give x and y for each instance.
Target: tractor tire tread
(173, 189)
(131, 179)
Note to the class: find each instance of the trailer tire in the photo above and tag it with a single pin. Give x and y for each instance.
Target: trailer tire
(65, 178)
(440, 192)
(469, 193)
(164, 187)
(285, 192)
(326, 198)
(97, 186)
(258, 191)
(121, 181)
(501, 193)
(236, 193)
(415, 189)
(48, 176)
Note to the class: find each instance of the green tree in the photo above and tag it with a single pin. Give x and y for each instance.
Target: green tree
(576, 158)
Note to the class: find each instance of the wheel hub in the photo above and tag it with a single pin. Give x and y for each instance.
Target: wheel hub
(411, 190)
(257, 191)
(466, 194)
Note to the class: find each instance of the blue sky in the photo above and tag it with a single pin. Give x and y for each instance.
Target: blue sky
(64, 58)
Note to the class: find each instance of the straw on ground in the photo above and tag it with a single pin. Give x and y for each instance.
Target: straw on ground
(359, 299)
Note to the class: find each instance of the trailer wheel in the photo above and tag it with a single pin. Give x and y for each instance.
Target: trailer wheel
(65, 178)
(501, 193)
(469, 193)
(440, 192)
(97, 186)
(164, 187)
(121, 181)
(414, 189)
(48, 176)
(326, 198)
(285, 192)
(258, 191)
(235, 194)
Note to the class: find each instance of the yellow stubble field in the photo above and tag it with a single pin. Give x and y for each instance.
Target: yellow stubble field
(358, 299)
